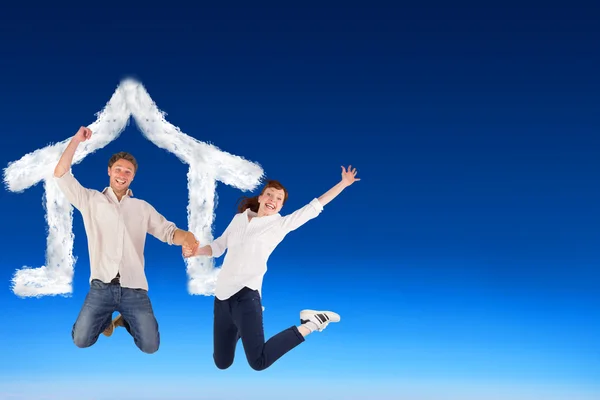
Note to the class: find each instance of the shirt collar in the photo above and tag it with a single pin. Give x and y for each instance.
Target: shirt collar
(253, 214)
(108, 191)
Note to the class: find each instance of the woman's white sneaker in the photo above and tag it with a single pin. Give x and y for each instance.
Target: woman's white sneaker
(317, 320)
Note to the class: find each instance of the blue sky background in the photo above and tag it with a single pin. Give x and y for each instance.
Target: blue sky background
(464, 264)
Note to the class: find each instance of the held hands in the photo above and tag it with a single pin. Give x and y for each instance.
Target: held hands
(349, 176)
(188, 252)
(83, 134)
(190, 245)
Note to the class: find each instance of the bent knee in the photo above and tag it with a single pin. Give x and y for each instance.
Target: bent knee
(258, 364)
(149, 347)
(222, 364)
(82, 341)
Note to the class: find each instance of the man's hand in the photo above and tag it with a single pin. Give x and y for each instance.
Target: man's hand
(83, 134)
(66, 159)
(200, 251)
(190, 244)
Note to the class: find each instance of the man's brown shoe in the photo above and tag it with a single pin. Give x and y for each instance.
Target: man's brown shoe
(118, 321)
(111, 327)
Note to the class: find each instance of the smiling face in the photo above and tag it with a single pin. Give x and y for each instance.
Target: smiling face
(121, 174)
(270, 201)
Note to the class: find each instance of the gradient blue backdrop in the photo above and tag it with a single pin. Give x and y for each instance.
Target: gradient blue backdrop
(465, 263)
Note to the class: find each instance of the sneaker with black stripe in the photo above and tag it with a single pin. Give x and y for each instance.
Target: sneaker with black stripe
(317, 320)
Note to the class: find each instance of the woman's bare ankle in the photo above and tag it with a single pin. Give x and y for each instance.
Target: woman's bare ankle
(304, 331)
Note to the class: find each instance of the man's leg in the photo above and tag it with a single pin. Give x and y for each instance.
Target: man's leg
(95, 315)
(139, 319)
(225, 335)
(117, 321)
(247, 314)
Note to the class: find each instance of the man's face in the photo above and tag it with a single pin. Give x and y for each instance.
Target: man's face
(121, 174)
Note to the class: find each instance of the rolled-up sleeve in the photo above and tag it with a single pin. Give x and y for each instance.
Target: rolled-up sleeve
(159, 226)
(301, 216)
(75, 193)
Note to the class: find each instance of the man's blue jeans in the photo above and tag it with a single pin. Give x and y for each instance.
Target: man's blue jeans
(134, 305)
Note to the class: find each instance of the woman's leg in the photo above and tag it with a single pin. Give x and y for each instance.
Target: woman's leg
(225, 334)
(248, 317)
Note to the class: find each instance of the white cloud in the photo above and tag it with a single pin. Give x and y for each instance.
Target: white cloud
(207, 165)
